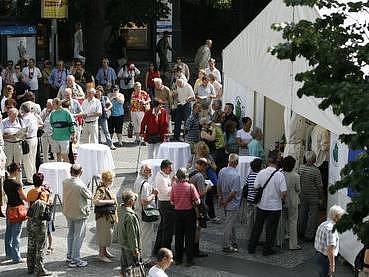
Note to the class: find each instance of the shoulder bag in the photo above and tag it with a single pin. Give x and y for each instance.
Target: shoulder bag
(105, 209)
(136, 270)
(148, 214)
(259, 191)
(16, 214)
(24, 143)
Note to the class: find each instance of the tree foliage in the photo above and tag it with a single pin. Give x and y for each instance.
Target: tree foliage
(337, 51)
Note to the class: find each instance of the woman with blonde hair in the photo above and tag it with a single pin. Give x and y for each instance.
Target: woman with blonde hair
(105, 210)
(8, 94)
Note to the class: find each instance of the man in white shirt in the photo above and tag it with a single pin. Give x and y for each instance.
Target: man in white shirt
(165, 259)
(29, 121)
(31, 74)
(77, 91)
(269, 208)
(212, 70)
(184, 95)
(91, 110)
(163, 183)
(205, 93)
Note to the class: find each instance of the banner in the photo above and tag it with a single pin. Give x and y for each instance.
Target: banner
(54, 9)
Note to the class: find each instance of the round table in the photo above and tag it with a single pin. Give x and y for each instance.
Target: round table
(179, 153)
(54, 175)
(155, 167)
(94, 159)
(244, 167)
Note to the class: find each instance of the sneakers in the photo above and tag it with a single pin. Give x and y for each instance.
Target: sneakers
(78, 264)
(230, 250)
(68, 260)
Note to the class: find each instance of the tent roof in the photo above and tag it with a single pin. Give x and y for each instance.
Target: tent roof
(246, 61)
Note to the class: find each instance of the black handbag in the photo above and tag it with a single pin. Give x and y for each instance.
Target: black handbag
(154, 139)
(105, 209)
(149, 214)
(259, 191)
(25, 147)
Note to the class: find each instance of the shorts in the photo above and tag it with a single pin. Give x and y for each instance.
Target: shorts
(60, 146)
(50, 227)
(115, 124)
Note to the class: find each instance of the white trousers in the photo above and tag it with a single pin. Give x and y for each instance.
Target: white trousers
(153, 150)
(13, 152)
(46, 141)
(29, 160)
(90, 133)
(136, 118)
(147, 238)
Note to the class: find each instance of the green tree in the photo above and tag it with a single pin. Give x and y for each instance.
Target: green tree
(337, 53)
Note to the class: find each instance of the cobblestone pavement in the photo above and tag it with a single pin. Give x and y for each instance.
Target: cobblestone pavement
(286, 263)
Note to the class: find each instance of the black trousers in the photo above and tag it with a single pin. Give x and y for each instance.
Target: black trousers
(185, 234)
(182, 113)
(209, 201)
(272, 219)
(165, 232)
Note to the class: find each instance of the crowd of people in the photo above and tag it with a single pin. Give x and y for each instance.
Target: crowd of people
(53, 110)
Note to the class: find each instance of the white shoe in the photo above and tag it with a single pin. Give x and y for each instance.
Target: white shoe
(104, 259)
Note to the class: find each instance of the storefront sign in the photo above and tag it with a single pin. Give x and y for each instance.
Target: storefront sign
(54, 9)
(17, 30)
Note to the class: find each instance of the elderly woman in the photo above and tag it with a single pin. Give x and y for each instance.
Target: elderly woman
(38, 199)
(30, 121)
(15, 195)
(129, 233)
(46, 139)
(105, 210)
(146, 196)
(327, 242)
(140, 102)
(182, 196)
(293, 190)
(255, 147)
(10, 131)
(310, 196)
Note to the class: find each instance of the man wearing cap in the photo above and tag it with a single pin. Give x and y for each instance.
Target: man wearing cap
(154, 128)
(63, 129)
(162, 48)
(91, 110)
(163, 184)
(76, 210)
(106, 107)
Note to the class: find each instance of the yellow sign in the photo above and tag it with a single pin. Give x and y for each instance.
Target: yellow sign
(54, 8)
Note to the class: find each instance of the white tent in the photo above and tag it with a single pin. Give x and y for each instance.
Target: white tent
(247, 67)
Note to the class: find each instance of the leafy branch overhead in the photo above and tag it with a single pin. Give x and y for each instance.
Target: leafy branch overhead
(337, 50)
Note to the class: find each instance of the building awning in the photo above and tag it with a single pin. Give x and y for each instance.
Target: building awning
(16, 30)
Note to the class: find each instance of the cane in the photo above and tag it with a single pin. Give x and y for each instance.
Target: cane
(139, 153)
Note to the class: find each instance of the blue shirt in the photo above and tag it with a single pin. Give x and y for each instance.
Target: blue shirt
(117, 108)
(229, 181)
(57, 77)
(105, 76)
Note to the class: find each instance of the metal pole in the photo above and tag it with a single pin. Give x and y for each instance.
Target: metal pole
(54, 42)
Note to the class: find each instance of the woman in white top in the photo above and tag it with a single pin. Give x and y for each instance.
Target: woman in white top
(243, 136)
(8, 93)
(165, 259)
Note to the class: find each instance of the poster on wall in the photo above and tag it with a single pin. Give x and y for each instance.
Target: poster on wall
(165, 24)
(21, 48)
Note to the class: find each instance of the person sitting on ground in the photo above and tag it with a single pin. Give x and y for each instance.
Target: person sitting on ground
(165, 260)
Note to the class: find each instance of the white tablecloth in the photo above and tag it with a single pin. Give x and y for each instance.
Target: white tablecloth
(94, 159)
(155, 167)
(177, 152)
(244, 167)
(54, 175)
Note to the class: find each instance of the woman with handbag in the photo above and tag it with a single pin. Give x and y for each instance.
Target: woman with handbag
(183, 196)
(37, 225)
(106, 217)
(15, 211)
(129, 235)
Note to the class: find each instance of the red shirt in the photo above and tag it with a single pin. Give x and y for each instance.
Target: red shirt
(182, 195)
(151, 77)
(152, 124)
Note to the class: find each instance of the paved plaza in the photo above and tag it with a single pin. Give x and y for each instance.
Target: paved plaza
(287, 263)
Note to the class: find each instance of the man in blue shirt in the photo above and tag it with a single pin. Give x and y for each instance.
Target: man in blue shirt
(106, 75)
(58, 76)
(229, 187)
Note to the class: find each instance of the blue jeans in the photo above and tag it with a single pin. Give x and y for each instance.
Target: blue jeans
(103, 127)
(322, 263)
(76, 235)
(12, 240)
